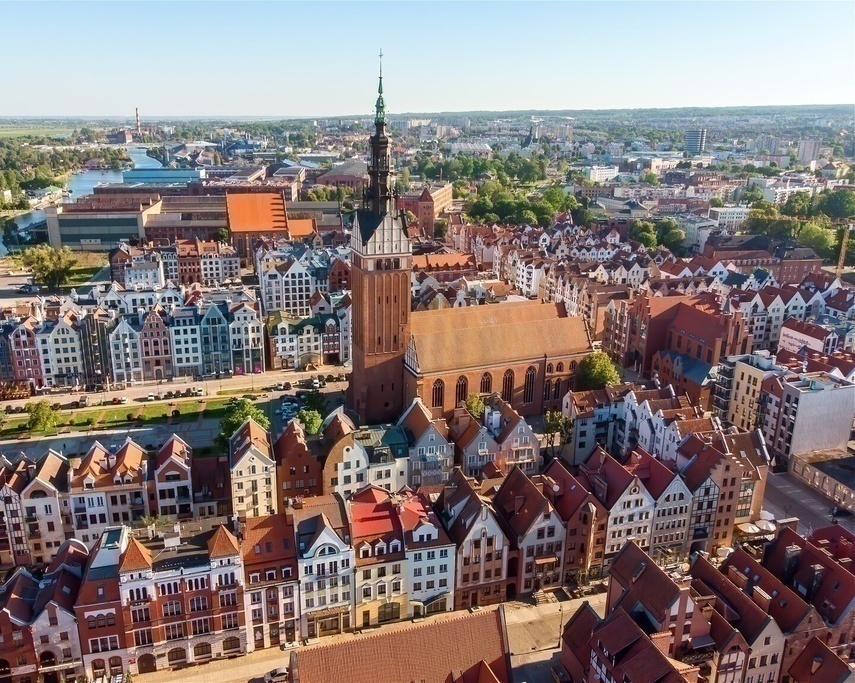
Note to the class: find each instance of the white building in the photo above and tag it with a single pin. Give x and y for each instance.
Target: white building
(600, 174)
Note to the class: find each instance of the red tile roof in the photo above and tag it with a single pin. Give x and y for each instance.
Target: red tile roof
(816, 663)
(458, 649)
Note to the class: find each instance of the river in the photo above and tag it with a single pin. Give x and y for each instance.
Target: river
(83, 183)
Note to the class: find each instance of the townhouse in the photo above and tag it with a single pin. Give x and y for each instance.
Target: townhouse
(474, 445)
(535, 531)
(430, 556)
(628, 503)
(325, 565)
(173, 479)
(431, 453)
(299, 468)
(584, 519)
(376, 455)
(381, 569)
(516, 443)
(60, 351)
(253, 471)
(672, 502)
(180, 596)
(483, 548)
(108, 487)
(271, 582)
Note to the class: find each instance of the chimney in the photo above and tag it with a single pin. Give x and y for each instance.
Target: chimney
(817, 575)
(791, 562)
(761, 598)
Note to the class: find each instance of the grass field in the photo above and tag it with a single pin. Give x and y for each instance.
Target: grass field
(19, 131)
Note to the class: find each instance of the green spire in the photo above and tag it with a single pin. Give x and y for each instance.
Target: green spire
(380, 106)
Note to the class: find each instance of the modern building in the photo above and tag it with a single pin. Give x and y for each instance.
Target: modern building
(695, 141)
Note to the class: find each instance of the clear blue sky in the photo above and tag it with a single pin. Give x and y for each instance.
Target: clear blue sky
(320, 59)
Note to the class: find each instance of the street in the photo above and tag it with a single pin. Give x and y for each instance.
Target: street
(788, 497)
(533, 634)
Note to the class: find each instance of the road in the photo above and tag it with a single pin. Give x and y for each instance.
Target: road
(533, 633)
(788, 497)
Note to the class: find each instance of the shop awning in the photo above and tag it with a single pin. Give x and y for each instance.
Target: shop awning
(540, 561)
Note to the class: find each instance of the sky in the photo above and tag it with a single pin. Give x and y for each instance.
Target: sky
(284, 59)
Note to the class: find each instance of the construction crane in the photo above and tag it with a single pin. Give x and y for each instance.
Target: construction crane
(847, 230)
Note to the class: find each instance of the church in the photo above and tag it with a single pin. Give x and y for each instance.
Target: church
(527, 352)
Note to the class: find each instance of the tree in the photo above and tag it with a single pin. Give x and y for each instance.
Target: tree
(838, 204)
(644, 232)
(311, 420)
(222, 235)
(43, 416)
(673, 239)
(51, 267)
(238, 412)
(818, 238)
(556, 427)
(797, 205)
(440, 227)
(595, 371)
(649, 177)
(716, 202)
(316, 401)
(475, 405)
(752, 194)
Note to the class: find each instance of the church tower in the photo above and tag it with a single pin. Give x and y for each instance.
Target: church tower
(381, 263)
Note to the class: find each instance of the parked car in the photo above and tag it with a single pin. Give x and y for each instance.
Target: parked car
(151, 396)
(279, 675)
(124, 399)
(315, 383)
(280, 386)
(82, 401)
(287, 386)
(199, 391)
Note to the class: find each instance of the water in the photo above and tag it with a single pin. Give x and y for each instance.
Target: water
(84, 183)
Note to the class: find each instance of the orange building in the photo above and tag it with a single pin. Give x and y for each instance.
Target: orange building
(254, 216)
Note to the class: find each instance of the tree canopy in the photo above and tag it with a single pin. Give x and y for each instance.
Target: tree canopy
(51, 267)
(311, 420)
(42, 416)
(239, 411)
(596, 371)
(475, 405)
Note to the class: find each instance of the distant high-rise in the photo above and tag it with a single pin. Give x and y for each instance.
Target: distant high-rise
(695, 141)
(139, 128)
(808, 150)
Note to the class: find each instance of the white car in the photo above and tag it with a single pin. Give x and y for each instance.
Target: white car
(279, 675)
(151, 396)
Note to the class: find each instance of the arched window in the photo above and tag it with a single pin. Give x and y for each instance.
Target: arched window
(202, 650)
(549, 368)
(547, 389)
(572, 365)
(176, 655)
(115, 665)
(528, 389)
(462, 386)
(508, 386)
(557, 392)
(232, 643)
(486, 383)
(438, 394)
(559, 367)
(98, 667)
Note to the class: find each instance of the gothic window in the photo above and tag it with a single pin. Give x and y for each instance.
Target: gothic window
(547, 389)
(438, 394)
(462, 386)
(486, 383)
(559, 367)
(549, 368)
(508, 386)
(557, 392)
(528, 389)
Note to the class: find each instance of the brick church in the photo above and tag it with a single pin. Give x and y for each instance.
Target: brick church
(527, 352)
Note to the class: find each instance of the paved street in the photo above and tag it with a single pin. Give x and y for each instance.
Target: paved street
(533, 633)
(788, 497)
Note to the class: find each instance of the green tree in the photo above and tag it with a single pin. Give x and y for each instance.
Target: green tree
(475, 405)
(644, 232)
(440, 228)
(556, 428)
(311, 420)
(316, 401)
(649, 177)
(838, 204)
(222, 235)
(716, 202)
(819, 238)
(672, 239)
(238, 412)
(596, 371)
(752, 194)
(42, 416)
(797, 205)
(51, 267)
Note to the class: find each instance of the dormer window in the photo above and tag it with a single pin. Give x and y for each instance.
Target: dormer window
(365, 551)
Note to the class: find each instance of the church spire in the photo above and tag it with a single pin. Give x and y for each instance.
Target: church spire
(380, 116)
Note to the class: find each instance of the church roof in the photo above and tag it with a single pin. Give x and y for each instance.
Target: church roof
(503, 334)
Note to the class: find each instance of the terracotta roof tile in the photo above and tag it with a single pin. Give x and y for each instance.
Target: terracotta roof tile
(135, 557)
(222, 544)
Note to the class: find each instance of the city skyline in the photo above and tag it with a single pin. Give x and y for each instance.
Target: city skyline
(563, 70)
